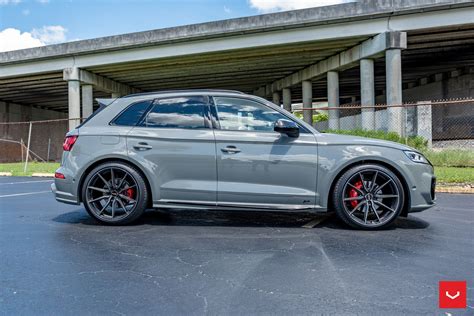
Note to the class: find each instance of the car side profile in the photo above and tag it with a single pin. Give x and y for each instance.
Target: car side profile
(226, 150)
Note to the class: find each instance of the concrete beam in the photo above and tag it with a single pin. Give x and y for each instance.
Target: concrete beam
(99, 82)
(371, 48)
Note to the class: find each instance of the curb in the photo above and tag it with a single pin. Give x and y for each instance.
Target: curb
(455, 189)
(5, 174)
(43, 175)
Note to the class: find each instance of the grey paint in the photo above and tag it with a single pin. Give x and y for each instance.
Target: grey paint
(186, 168)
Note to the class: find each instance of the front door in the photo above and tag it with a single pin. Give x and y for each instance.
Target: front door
(258, 167)
(176, 141)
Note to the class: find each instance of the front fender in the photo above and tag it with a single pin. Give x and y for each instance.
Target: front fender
(334, 159)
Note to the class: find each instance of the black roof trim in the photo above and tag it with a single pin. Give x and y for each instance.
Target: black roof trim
(181, 91)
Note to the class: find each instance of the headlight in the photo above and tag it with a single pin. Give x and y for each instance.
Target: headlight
(416, 157)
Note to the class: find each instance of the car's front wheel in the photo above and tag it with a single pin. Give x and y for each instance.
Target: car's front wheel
(114, 193)
(368, 196)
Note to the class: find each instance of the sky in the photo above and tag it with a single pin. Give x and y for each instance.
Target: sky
(32, 23)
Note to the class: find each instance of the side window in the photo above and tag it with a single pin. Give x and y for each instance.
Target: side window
(132, 115)
(237, 114)
(179, 112)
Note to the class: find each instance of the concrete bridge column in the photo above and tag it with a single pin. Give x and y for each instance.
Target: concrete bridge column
(74, 97)
(87, 100)
(367, 93)
(287, 99)
(276, 98)
(308, 101)
(115, 95)
(333, 99)
(393, 65)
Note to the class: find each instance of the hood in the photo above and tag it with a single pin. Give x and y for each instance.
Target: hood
(337, 139)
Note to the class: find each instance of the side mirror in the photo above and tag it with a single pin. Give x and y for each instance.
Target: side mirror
(287, 127)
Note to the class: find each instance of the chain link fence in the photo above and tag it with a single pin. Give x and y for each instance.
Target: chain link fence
(440, 123)
(32, 141)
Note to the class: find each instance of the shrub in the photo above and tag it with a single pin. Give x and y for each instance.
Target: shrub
(416, 142)
(318, 117)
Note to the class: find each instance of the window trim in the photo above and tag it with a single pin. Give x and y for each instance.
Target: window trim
(217, 126)
(112, 122)
(206, 115)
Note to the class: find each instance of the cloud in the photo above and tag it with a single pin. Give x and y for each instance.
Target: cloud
(50, 34)
(283, 5)
(6, 2)
(13, 39)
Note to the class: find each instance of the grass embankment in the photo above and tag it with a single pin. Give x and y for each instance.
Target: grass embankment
(16, 168)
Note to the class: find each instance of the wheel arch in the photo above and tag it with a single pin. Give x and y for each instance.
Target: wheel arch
(385, 164)
(115, 159)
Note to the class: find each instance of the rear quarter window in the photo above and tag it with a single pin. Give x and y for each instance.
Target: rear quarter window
(132, 115)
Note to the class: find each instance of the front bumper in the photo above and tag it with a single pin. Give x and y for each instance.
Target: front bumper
(422, 190)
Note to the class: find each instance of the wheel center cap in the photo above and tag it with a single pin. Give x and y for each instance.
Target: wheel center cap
(369, 197)
(114, 193)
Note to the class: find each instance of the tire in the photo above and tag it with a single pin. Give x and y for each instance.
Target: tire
(363, 203)
(115, 193)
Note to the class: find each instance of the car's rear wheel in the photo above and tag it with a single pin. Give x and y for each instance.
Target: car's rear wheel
(115, 193)
(368, 196)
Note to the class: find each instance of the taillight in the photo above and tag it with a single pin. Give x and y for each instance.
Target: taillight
(59, 175)
(69, 142)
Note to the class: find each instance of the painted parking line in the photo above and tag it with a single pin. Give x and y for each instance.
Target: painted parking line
(23, 182)
(27, 193)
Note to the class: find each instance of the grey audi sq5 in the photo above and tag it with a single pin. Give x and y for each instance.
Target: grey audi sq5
(226, 150)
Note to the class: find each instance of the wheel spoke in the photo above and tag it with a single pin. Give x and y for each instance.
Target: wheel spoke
(375, 211)
(129, 199)
(130, 187)
(384, 206)
(121, 181)
(383, 196)
(112, 177)
(105, 205)
(122, 205)
(105, 181)
(113, 208)
(363, 182)
(373, 181)
(381, 187)
(355, 188)
(99, 189)
(366, 212)
(356, 198)
(357, 207)
(99, 198)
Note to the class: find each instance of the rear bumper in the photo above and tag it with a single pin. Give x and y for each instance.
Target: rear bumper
(64, 197)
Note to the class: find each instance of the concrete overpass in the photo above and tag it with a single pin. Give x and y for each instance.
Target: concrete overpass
(342, 53)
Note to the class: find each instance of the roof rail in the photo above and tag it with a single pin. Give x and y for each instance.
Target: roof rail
(182, 90)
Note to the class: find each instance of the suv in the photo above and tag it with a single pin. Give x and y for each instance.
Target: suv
(215, 149)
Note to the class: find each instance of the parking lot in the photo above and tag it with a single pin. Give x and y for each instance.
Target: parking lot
(56, 260)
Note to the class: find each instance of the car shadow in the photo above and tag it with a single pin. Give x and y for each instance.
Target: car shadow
(238, 219)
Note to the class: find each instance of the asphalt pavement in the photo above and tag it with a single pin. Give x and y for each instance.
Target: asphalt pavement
(55, 260)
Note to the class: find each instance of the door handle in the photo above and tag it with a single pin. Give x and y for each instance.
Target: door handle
(142, 146)
(230, 150)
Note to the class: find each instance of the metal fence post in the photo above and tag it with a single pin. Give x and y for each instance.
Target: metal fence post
(28, 149)
(49, 146)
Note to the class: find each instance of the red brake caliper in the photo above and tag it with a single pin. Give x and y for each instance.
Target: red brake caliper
(353, 193)
(130, 193)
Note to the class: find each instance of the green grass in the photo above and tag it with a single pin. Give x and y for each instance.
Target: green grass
(16, 168)
(454, 175)
(451, 157)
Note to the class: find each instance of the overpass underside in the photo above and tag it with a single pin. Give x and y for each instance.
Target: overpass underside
(372, 60)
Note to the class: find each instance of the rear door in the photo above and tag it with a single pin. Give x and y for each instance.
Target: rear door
(176, 142)
(258, 167)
